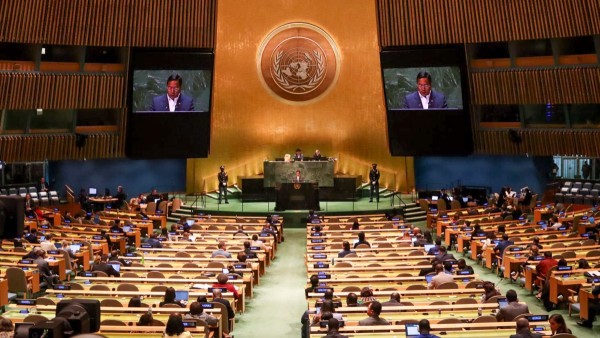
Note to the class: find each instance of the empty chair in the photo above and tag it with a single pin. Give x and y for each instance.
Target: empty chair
(17, 281)
(129, 274)
(35, 319)
(439, 302)
(486, 319)
(466, 301)
(593, 253)
(177, 277)
(127, 287)
(451, 321)
(43, 197)
(164, 265)
(54, 197)
(99, 287)
(32, 190)
(12, 191)
(351, 288)
(447, 286)
(155, 274)
(112, 322)
(44, 301)
(101, 274)
(343, 265)
(3, 192)
(182, 254)
(110, 302)
(416, 287)
(159, 288)
(22, 191)
(75, 286)
(213, 265)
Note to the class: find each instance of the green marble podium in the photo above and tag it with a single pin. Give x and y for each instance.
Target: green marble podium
(278, 172)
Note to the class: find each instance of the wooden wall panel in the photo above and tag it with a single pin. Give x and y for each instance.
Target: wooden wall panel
(422, 22)
(147, 23)
(536, 86)
(58, 147)
(539, 142)
(62, 91)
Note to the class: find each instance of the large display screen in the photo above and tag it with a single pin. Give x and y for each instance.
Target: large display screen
(152, 88)
(169, 103)
(426, 95)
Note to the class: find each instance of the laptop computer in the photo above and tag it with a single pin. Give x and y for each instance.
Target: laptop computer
(428, 278)
(412, 330)
(126, 228)
(190, 222)
(502, 302)
(75, 248)
(434, 198)
(182, 295)
(428, 247)
(117, 267)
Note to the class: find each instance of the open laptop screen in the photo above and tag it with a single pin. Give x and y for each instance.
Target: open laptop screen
(182, 295)
(412, 330)
(117, 267)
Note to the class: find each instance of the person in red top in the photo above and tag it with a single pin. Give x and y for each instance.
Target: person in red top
(545, 265)
(222, 283)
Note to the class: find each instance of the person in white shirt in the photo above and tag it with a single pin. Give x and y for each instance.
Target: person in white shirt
(48, 244)
(441, 277)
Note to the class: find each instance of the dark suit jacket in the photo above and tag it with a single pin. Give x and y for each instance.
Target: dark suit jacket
(525, 333)
(510, 311)
(227, 305)
(161, 103)
(108, 269)
(436, 100)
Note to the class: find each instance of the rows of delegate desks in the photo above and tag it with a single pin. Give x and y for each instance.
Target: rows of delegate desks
(391, 265)
(183, 264)
(573, 241)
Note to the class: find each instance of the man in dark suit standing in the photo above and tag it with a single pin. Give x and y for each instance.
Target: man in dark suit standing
(223, 178)
(374, 182)
(425, 97)
(174, 100)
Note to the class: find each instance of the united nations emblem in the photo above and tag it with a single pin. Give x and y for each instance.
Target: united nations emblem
(298, 62)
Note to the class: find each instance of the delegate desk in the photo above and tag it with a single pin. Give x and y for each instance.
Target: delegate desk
(129, 315)
(561, 281)
(475, 330)
(585, 298)
(297, 196)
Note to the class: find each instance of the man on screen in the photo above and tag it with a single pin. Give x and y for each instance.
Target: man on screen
(425, 97)
(174, 100)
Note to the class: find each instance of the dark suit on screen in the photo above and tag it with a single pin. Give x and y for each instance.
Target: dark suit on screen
(161, 103)
(436, 100)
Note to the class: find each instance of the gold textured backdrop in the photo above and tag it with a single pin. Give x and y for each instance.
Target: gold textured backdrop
(250, 125)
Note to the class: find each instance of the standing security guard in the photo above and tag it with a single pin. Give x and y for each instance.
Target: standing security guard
(374, 180)
(223, 178)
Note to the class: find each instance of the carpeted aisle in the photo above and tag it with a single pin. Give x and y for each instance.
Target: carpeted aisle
(279, 300)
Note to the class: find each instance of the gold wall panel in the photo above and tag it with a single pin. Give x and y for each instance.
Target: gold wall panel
(249, 124)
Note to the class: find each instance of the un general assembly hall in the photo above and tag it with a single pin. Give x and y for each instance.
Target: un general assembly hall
(285, 168)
